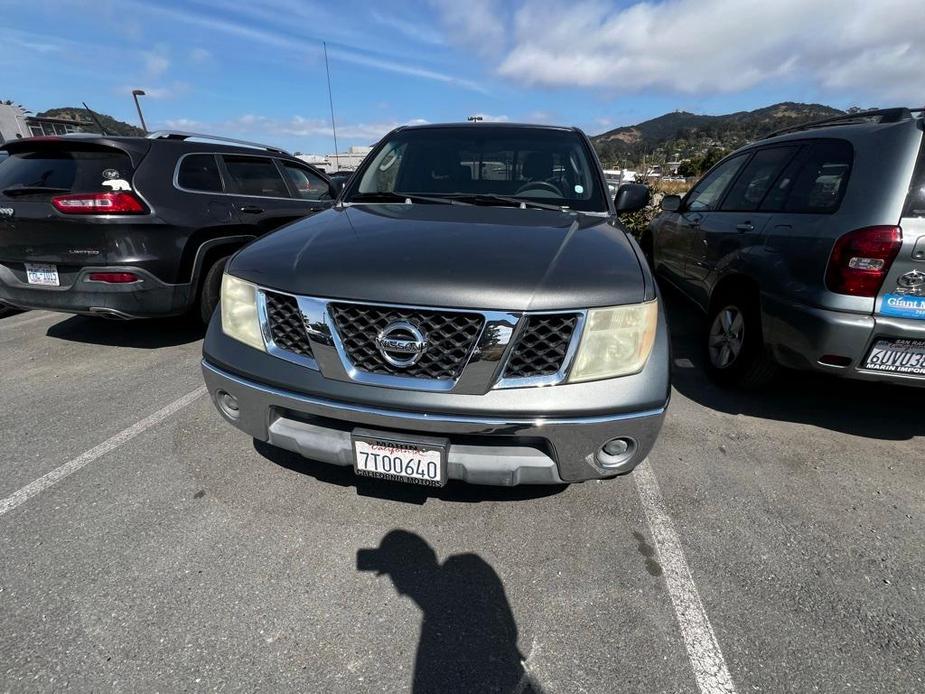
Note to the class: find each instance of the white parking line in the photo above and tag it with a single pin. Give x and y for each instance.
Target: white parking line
(710, 669)
(45, 481)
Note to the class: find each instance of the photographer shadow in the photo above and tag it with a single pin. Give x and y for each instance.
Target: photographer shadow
(468, 640)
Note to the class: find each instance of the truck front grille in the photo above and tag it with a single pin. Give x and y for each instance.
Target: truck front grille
(450, 337)
(541, 348)
(287, 328)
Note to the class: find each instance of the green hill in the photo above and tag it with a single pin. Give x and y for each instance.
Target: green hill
(688, 135)
(112, 126)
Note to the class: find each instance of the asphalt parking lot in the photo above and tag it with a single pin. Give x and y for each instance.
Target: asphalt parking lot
(773, 542)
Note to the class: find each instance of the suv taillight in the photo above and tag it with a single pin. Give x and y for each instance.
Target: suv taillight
(861, 259)
(99, 203)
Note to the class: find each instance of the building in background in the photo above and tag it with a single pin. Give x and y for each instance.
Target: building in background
(344, 161)
(13, 122)
(16, 123)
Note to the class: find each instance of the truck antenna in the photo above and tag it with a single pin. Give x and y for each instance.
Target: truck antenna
(331, 102)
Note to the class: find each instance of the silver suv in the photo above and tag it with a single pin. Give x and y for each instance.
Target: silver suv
(807, 250)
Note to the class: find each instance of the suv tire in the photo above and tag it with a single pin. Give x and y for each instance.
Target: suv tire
(211, 289)
(735, 351)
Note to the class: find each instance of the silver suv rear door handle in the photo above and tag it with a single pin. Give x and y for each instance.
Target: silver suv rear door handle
(745, 226)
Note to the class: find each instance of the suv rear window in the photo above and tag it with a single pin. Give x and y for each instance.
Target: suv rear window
(256, 176)
(43, 173)
(815, 181)
(753, 183)
(200, 172)
(915, 203)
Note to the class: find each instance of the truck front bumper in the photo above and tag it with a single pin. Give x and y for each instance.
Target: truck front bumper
(495, 450)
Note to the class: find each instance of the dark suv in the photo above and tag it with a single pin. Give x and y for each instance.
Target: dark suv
(133, 227)
(471, 309)
(807, 250)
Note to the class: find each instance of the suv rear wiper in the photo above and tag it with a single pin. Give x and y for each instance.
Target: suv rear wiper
(33, 190)
(494, 199)
(387, 196)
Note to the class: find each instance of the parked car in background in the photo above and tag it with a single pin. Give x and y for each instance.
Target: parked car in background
(807, 250)
(471, 309)
(134, 227)
(340, 178)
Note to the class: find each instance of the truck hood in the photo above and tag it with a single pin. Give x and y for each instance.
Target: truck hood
(451, 256)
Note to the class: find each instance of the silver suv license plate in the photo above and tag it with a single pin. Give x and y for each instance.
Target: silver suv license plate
(897, 356)
(415, 460)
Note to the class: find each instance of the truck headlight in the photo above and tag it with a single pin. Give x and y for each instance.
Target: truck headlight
(616, 341)
(239, 312)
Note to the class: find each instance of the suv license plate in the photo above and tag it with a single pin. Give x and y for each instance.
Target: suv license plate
(414, 460)
(895, 355)
(42, 273)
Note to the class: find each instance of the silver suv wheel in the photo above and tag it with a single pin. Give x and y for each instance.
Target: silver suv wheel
(727, 337)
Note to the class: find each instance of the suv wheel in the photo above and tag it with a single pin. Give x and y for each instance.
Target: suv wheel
(211, 290)
(735, 349)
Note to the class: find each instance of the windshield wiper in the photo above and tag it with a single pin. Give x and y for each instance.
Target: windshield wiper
(494, 199)
(388, 196)
(33, 190)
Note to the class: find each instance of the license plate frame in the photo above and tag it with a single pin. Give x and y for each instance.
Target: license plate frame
(887, 355)
(409, 449)
(42, 274)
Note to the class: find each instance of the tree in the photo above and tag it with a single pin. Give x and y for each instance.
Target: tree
(687, 169)
(713, 155)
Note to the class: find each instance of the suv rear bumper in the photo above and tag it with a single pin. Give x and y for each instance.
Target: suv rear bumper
(497, 450)
(799, 336)
(147, 298)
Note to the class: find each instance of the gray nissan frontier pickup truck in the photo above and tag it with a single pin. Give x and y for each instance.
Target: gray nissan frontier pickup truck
(469, 309)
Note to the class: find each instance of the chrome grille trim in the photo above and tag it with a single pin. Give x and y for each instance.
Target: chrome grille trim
(559, 376)
(482, 370)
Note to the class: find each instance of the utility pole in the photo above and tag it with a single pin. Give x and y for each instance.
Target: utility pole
(135, 94)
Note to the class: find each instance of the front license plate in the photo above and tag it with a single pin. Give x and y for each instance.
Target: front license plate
(895, 355)
(413, 461)
(42, 273)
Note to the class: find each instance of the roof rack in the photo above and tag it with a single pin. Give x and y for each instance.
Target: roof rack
(180, 135)
(885, 115)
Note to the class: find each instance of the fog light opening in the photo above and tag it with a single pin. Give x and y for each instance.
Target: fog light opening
(616, 452)
(228, 404)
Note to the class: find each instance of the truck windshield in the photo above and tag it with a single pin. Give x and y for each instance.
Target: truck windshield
(475, 162)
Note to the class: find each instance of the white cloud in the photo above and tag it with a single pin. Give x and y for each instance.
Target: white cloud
(200, 55)
(479, 25)
(710, 46)
(415, 31)
(488, 118)
(301, 45)
(183, 124)
(170, 91)
(265, 128)
(156, 63)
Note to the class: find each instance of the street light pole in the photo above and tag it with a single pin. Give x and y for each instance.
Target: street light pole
(135, 94)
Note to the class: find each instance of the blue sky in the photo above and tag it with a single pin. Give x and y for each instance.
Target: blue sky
(254, 69)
